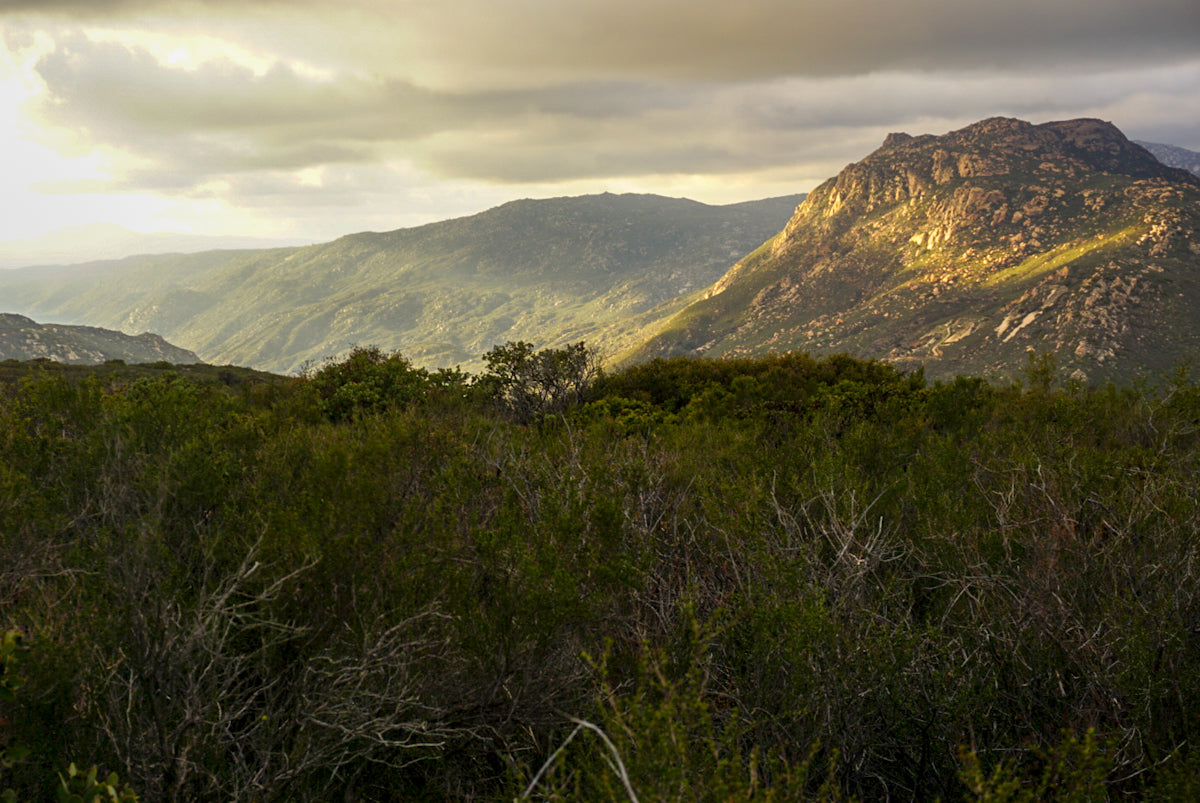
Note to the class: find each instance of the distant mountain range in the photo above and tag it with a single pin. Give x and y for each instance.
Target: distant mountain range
(96, 241)
(964, 252)
(24, 339)
(548, 271)
(1173, 156)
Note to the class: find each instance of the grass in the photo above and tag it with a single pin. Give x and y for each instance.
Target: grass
(1089, 251)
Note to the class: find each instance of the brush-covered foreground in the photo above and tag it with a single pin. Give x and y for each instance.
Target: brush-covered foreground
(770, 579)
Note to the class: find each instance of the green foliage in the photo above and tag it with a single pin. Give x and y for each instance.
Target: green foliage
(10, 646)
(665, 736)
(86, 787)
(784, 383)
(806, 579)
(625, 416)
(368, 381)
(12, 751)
(75, 785)
(1041, 370)
(1074, 771)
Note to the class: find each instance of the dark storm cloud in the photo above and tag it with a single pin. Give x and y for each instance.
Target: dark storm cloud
(713, 39)
(810, 126)
(187, 126)
(758, 38)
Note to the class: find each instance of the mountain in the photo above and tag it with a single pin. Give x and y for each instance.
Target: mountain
(91, 242)
(547, 271)
(1173, 155)
(24, 339)
(965, 251)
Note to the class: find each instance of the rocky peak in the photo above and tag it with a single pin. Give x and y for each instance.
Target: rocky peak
(966, 249)
(896, 139)
(987, 160)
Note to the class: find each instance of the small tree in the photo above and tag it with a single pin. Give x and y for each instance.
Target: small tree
(534, 384)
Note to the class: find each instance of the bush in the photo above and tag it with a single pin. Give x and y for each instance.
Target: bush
(368, 381)
(807, 579)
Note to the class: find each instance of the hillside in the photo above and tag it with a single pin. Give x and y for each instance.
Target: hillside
(24, 339)
(963, 252)
(548, 271)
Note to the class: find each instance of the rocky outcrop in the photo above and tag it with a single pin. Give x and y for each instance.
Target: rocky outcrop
(24, 339)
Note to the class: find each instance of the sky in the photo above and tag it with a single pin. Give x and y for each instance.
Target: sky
(300, 118)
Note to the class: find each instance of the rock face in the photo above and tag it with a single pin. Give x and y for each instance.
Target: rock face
(965, 251)
(25, 339)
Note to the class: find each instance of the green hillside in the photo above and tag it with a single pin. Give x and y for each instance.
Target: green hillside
(550, 271)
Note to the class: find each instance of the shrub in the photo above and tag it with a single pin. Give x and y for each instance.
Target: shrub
(369, 381)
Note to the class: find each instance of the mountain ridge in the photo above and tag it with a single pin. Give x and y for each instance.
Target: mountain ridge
(959, 252)
(1173, 155)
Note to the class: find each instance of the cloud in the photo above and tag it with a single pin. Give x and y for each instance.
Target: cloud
(180, 127)
(261, 103)
(98, 9)
(222, 116)
(72, 7)
(800, 127)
